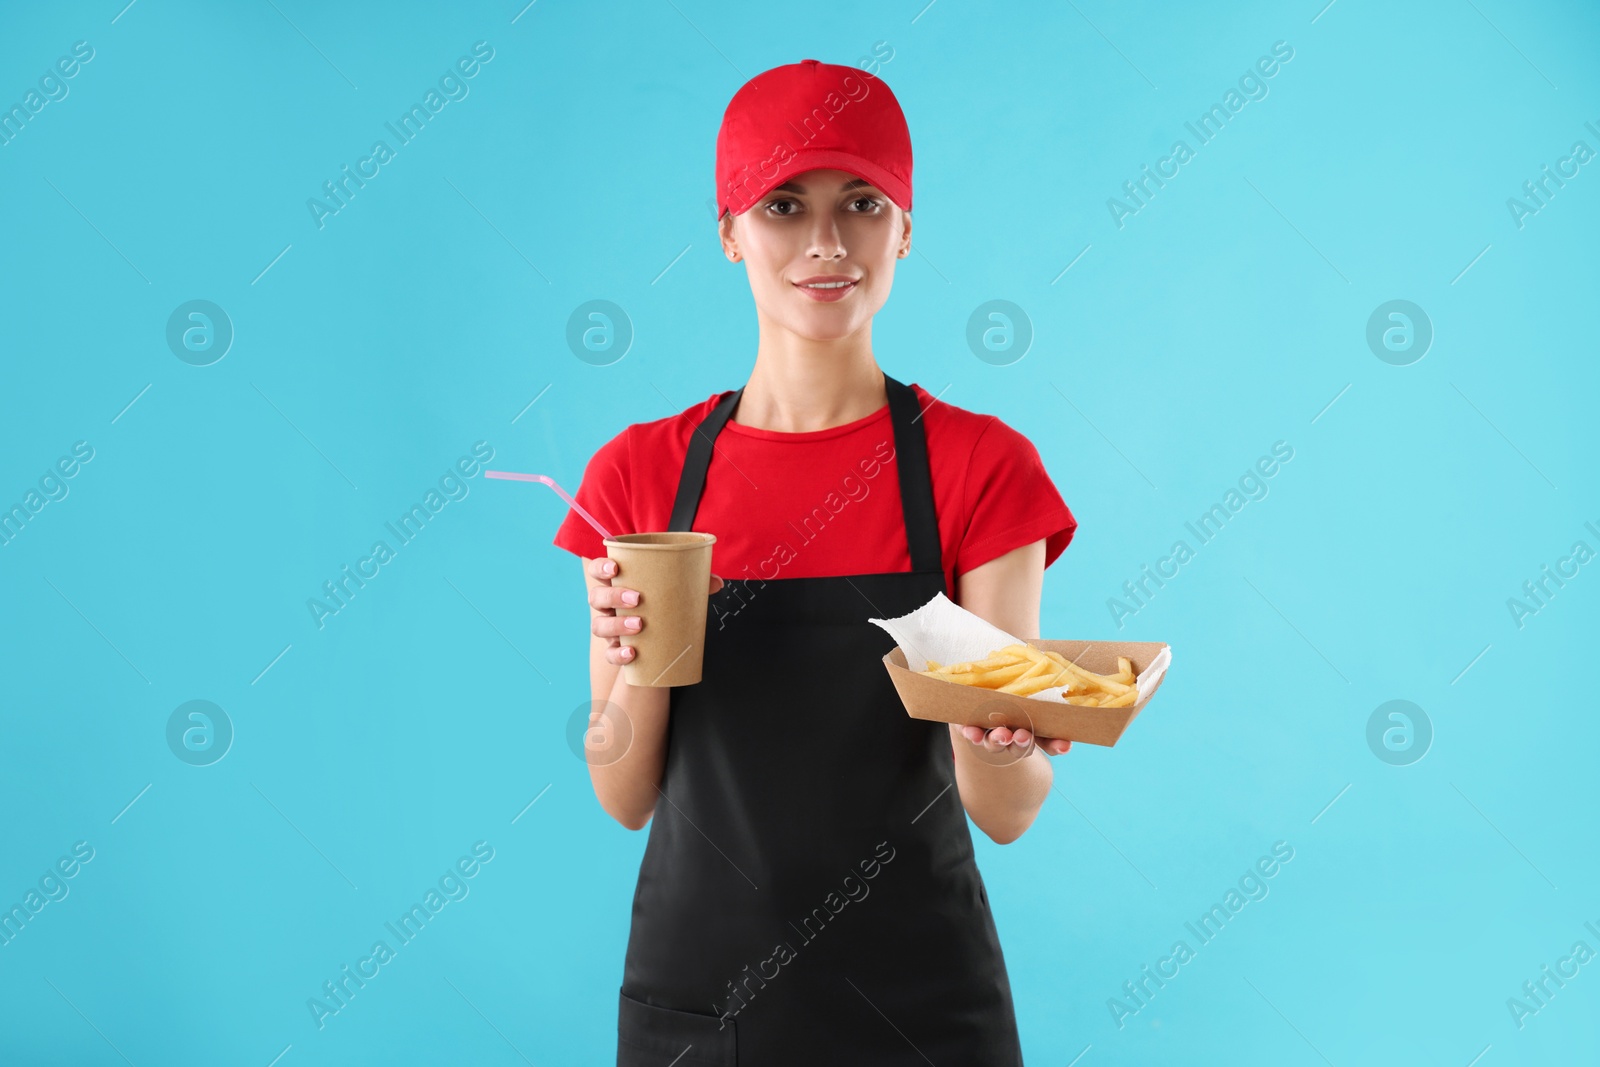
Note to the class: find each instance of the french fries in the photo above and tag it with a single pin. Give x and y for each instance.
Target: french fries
(1023, 670)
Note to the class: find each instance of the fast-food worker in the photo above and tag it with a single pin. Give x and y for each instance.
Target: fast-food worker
(808, 893)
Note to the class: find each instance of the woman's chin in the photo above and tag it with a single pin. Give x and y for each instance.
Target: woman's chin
(823, 327)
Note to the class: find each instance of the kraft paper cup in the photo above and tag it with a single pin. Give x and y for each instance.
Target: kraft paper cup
(672, 572)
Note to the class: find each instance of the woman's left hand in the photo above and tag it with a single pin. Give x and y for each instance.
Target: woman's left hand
(1019, 742)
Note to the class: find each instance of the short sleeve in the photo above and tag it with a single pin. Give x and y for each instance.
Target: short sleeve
(603, 493)
(1010, 501)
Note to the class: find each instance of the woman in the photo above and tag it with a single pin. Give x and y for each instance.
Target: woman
(808, 893)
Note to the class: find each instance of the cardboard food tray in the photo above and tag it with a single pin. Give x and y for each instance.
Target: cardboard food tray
(928, 697)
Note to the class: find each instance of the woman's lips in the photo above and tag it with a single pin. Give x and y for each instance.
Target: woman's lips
(827, 296)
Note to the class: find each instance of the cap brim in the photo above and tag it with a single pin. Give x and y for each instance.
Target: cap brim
(832, 159)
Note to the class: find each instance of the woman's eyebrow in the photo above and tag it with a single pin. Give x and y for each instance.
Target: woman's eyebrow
(796, 187)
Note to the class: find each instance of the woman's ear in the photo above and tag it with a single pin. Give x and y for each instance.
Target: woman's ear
(905, 236)
(730, 246)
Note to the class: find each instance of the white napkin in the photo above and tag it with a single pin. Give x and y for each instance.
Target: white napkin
(944, 631)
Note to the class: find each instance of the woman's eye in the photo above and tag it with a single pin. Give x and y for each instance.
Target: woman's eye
(870, 201)
(773, 207)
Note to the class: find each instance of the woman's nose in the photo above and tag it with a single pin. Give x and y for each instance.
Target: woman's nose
(826, 240)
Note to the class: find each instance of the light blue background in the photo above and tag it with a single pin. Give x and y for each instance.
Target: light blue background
(427, 715)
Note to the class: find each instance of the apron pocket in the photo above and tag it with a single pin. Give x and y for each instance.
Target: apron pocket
(650, 1036)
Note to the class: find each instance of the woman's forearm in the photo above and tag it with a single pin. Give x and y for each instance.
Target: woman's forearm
(1003, 799)
(625, 743)
(633, 720)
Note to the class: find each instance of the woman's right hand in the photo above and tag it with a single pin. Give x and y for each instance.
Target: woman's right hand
(610, 600)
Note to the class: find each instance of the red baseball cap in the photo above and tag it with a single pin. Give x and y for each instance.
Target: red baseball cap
(806, 115)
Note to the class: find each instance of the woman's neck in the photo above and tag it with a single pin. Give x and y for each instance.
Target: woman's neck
(806, 386)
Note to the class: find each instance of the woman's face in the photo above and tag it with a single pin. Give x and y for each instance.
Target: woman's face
(820, 224)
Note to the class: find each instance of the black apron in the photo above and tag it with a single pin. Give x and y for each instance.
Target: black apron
(808, 893)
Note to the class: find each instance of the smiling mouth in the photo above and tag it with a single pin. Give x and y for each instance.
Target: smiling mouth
(827, 292)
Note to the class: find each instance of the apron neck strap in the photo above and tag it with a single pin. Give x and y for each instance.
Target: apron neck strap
(911, 460)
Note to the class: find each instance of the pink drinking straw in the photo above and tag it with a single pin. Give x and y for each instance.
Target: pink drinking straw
(562, 493)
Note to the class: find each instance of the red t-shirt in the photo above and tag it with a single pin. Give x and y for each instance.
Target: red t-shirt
(826, 502)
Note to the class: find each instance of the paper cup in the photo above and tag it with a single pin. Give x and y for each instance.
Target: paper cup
(672, 572)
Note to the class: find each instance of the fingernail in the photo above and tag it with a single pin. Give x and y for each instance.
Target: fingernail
(627, 653)
(609, 568)
(630, 597)
(632, 622)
